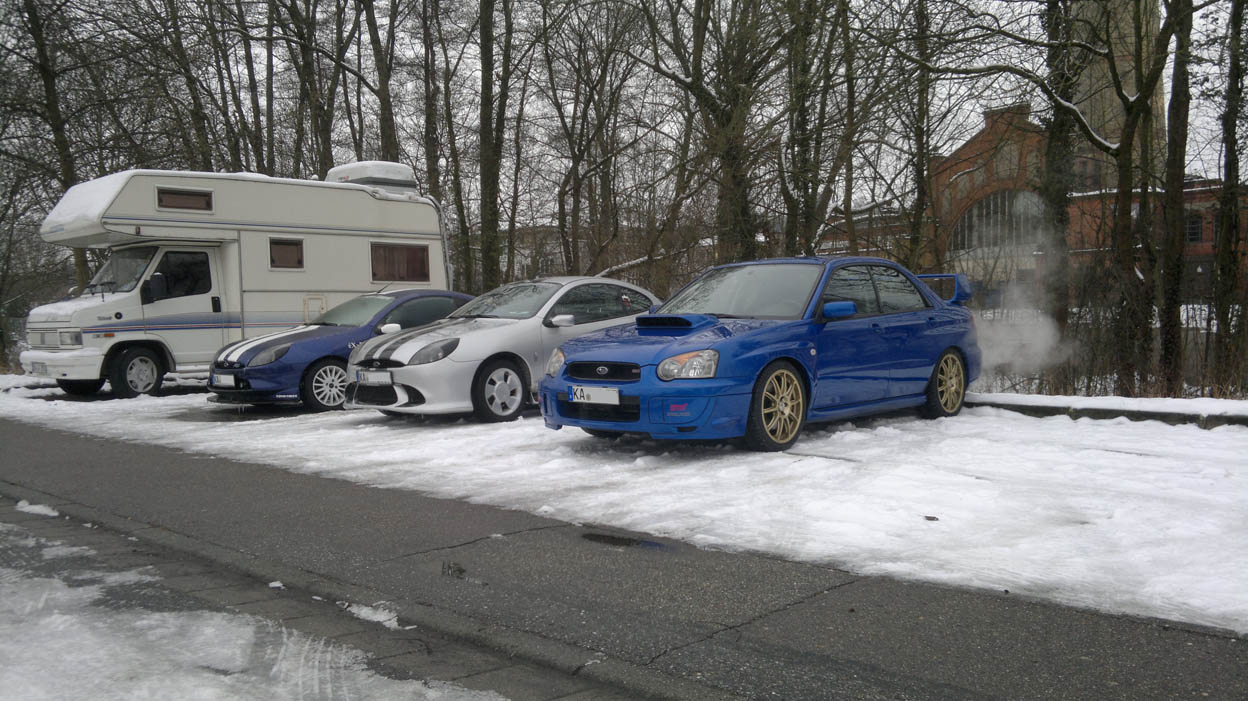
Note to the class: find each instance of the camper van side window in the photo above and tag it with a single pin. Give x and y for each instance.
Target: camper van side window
(395, 263)
(286, 253)
(186, 273)
(198, 200)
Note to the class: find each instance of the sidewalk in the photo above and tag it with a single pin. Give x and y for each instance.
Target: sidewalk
(1206, 413)
(658, 618)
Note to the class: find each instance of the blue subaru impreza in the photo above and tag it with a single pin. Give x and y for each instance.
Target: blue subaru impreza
(756, 350)
(308, 364)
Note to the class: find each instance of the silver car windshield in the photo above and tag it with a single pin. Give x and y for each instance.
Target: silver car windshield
(122, 271)
(766, 291)
(519, 300)
(353, 312)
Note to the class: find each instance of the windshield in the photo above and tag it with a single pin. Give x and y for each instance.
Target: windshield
(767, 291)
(519, 300)
(354, 312)
(122, 271)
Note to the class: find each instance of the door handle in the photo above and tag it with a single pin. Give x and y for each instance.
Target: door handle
(216, 304)
(877, 328)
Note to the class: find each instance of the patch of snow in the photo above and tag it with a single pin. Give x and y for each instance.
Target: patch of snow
(37, 509)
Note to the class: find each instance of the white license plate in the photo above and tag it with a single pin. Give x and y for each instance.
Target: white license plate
(38, 368)
(373, 377)
(223, 380)
(581, 394)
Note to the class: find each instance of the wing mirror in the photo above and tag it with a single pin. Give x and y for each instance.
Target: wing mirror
(561, 320)
(389, 328)
(154, 289)
(839, 310)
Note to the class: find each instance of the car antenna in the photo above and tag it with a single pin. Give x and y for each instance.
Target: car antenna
(384, 288)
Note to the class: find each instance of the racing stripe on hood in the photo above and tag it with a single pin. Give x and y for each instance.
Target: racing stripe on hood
(383, 351)
(237, 351)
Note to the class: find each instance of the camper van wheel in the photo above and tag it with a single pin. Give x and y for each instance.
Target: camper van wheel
(324, 385)
(136, 371)
(80, 388)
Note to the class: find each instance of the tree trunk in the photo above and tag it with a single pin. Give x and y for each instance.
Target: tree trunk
(1173, 235)
(1229, 366)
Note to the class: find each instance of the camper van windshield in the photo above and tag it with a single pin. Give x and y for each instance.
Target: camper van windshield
(122, 271)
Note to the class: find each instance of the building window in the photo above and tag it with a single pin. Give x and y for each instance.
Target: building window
(1194, 228)
(395, 263)
(1008, 218)
(286, 253)
(198, 200)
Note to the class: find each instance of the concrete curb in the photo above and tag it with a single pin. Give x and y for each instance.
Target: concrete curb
(529, 647)
(1205, 421)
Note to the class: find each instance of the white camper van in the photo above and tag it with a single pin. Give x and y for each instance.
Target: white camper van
(199, 260)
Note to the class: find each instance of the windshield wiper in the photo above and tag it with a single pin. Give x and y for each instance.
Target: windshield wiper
(476, 316)
(322, 323)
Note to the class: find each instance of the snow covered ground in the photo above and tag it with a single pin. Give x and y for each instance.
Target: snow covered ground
(1131, 517)
(64, 635)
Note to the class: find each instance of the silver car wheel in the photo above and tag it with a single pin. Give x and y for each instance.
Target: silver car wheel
(503, 391)
(329, 385)
(141, 374)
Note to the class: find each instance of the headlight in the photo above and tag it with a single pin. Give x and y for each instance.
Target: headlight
(269, 355)
(357, 354)
(689, 365)
(555, 364)
(71, 338)
(434, 351)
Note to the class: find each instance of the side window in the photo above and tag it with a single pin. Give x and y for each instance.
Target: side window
(286, 254)
(852, 284)
(897, 293)
(186, 273)
(400, 263)
(590, 303)
(420, 311)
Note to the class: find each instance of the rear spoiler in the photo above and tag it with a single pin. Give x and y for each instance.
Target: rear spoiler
(941, 284)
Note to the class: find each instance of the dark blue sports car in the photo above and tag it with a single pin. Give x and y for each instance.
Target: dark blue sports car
(308, 363)
(757, 349)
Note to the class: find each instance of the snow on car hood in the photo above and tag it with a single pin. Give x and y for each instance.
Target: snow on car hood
(647, 344)
(403, 345)
(64, 311)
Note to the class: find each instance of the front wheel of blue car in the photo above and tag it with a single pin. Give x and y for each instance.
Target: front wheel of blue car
(778, 408)
(946, 389)
(324, 385)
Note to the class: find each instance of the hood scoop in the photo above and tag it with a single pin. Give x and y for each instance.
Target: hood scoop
(673, 324)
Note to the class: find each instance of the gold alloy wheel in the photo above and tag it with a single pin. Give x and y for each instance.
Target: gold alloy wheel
(783, 406)
(950, 383)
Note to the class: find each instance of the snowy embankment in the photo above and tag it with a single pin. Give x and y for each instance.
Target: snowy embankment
(1132, 517)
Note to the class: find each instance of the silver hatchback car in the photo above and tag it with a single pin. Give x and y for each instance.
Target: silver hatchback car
(488, 356)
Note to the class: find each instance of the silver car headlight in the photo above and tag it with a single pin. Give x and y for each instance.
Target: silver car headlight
(555, 364)
(70, 338)
(357, 354)
(434, 351)
(269, 355)
(698, 364)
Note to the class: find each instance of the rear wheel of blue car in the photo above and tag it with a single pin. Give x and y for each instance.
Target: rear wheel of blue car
(324, 385)
(946, 389)
(498, 391)
(778, 408)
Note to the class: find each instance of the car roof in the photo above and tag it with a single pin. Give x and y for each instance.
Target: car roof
(414, 292)
(814, 260)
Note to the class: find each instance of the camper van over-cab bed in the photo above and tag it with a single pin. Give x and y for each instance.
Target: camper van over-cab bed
(198, 260)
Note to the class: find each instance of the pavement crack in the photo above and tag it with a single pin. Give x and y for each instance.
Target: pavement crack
(474, 541)
(736, 627)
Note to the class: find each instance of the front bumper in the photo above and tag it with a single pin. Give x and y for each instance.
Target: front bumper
(78, 364)
(267, 384)
(712, 409)
(440, 387)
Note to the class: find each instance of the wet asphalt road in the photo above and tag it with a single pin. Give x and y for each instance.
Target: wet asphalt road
(597, 613)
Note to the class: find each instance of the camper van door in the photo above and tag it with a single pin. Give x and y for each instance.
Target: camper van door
(183, 304)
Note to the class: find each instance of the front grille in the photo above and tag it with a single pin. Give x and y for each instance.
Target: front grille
(227, 365)
(379, 363)
(628, 410)
(619, 372)
(378, 395)
(43, 339)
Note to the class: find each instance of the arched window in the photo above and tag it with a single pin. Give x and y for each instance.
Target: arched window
(1007, 218)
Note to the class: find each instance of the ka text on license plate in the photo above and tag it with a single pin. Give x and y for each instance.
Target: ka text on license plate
(594, 395)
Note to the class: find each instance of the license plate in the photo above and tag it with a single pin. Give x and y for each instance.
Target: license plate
(374, 377)
(223, 380)
(581, 394)
(38, 368)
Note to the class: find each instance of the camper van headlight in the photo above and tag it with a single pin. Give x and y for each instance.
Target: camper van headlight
(269, 355)
(70, 338)
(434, 351)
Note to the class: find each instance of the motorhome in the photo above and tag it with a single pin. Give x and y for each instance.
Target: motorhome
(198, 260)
